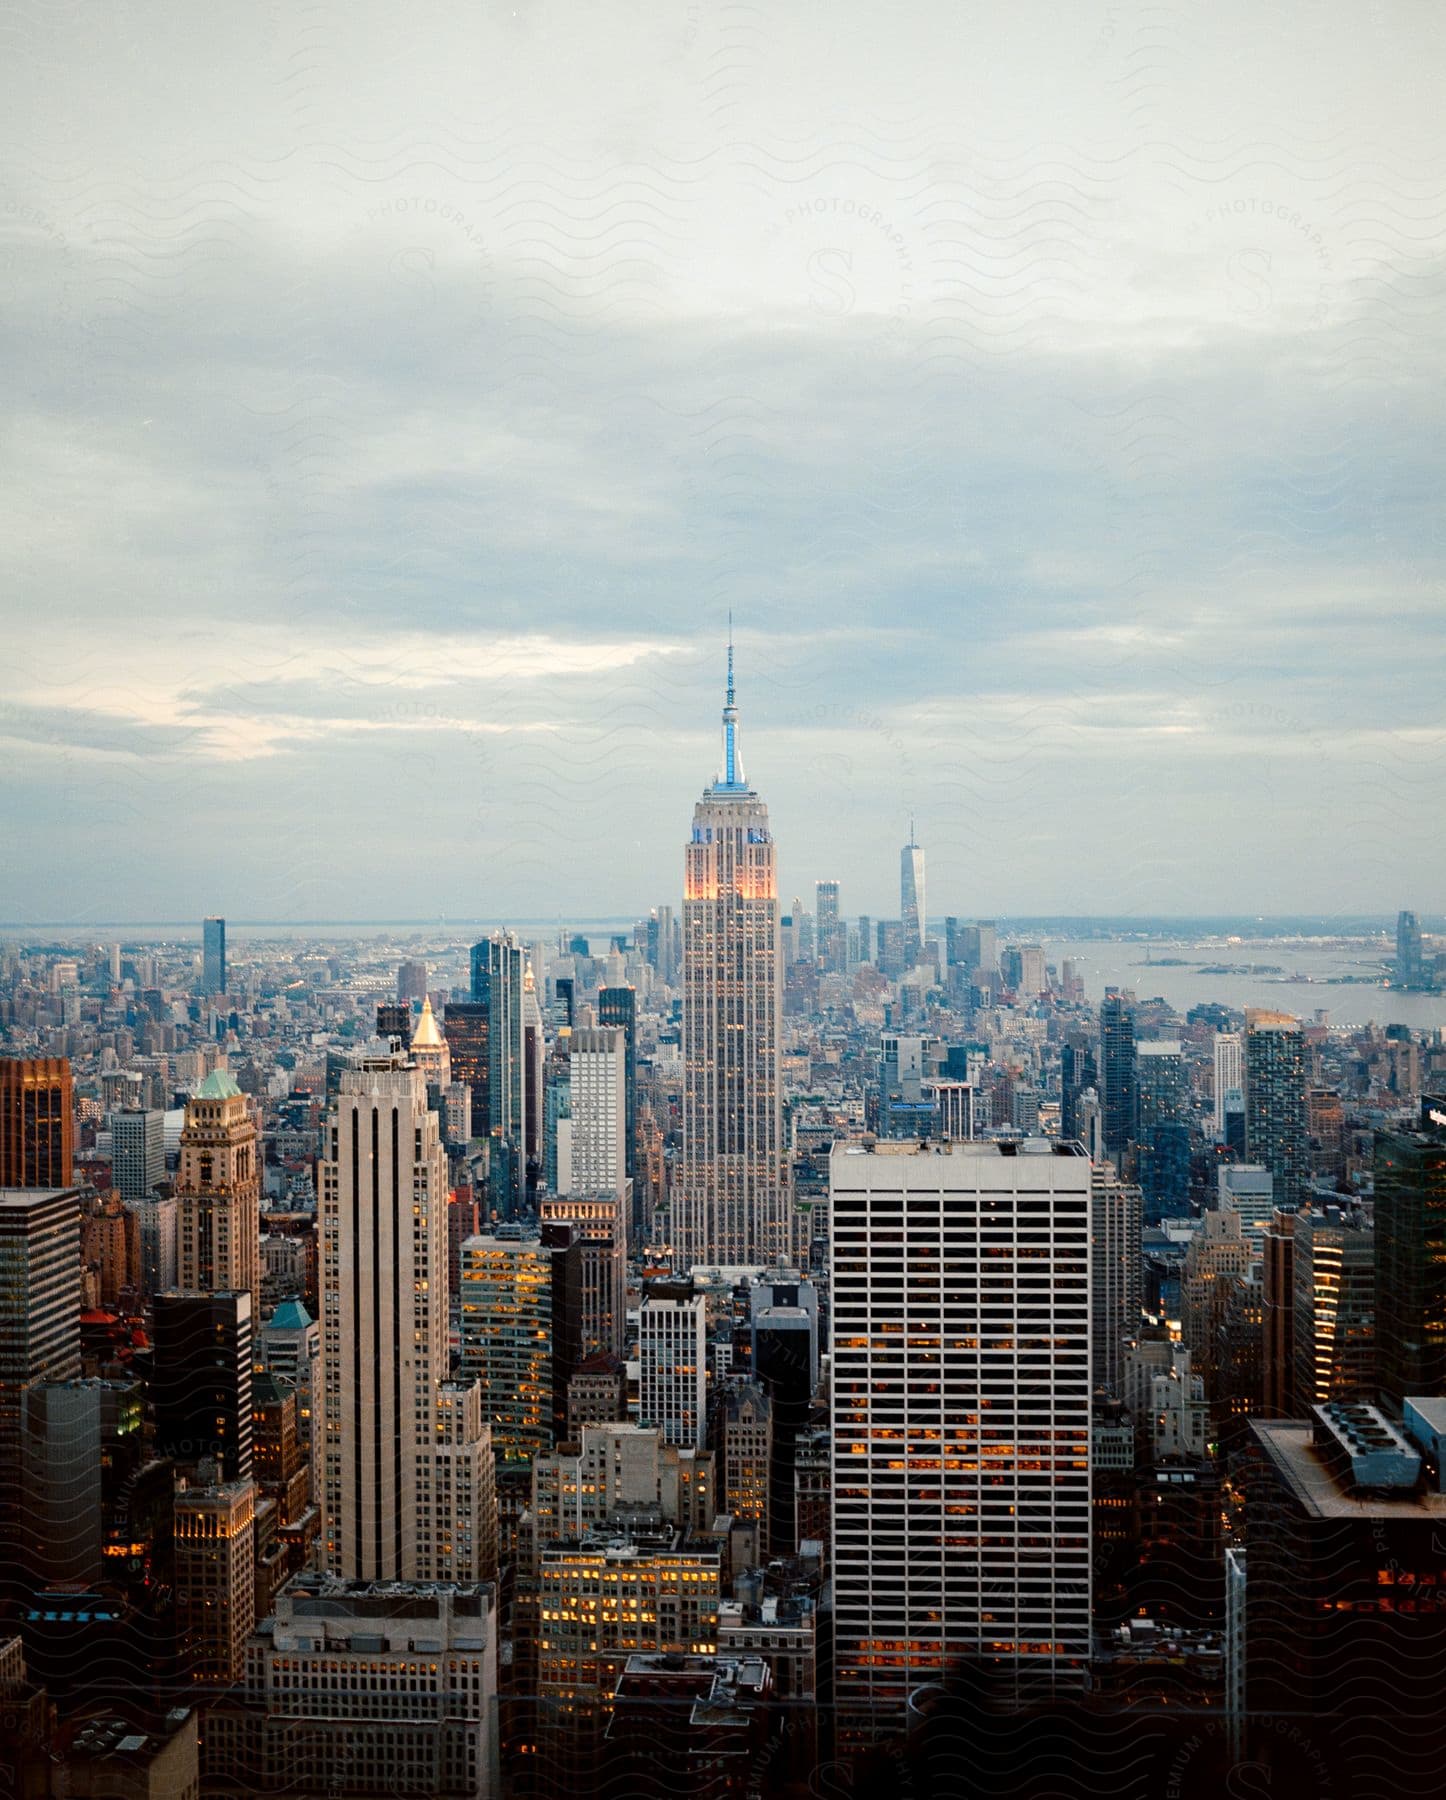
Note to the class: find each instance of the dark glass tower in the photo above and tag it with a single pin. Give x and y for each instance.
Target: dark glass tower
(1275, 1114)
(1410, 1240)
(213, 956)
(201, 1380)
(1117, 1072)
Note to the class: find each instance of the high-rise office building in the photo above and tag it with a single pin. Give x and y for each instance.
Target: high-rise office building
(203, 1356)
(1410, 1238)
(673, 1362)
(1277, 1325)
(961, 1418)
(1229, 1073)
(39, 1341)
(600, 1221)
(386, 1512)
(411, 980)
(215, 1580)
(213, 956)
(783, 1330)
(745, 1431)
(598, 1110)
(913, 913)
(138, 1152)
(617, 1008)
(1117, 1072)
(1116, 1286)
(1334, 1310)
(394, 1020)
(1275, 1113)
(218, 1191)
(1162, 1129)
(1077, 1071)
(731, 1201)
(521, 1324)
(37, 1122)
(464, 1024)
(829, 926)
(1410, 953)
(499, 974)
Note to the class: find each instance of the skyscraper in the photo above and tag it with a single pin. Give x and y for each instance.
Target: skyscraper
(1162, 1129)
(1275, 1110)
(731, 1201)
(1410, 1239)
(499, 975)
(673, 1362)
(1410, 955)
(598, 1110)
(828, 925)
(618, 1007)
(411, 980)
(218, 1191)
(39, 1337)
(213, 956)
(204, 1353)
(138, 1152)
(37, 1122)
(1116, 1287)
(912, 911)
(1117, 1072)
(961, 1418)
(383, 1220)
(521, 1323)
(464, 1024)
(1229, 1073)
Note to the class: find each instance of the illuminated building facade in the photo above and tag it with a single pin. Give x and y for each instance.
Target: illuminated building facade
(731, 1200)
(960, 1418)
(37, 1122)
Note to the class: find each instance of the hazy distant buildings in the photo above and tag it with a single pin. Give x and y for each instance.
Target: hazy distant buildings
(411, 980)
(213, 956)
(731, 1205)
(913, 909)
(37, 1122)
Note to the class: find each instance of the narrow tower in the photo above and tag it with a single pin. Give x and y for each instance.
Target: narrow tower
(732, 1205)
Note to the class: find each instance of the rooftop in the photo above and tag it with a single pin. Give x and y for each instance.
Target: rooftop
(220, 1084)
(1306, 1471)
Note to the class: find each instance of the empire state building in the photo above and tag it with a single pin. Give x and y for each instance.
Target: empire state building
(732, 1203)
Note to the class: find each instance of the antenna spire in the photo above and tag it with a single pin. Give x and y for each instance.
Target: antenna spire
(732, 774)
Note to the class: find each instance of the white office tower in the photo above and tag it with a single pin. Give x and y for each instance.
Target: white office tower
(673, 1362)
(731, 1205)
(599, 1102)
(386, 1512)
(1229, 1072)
(1116, 1272)
(960, 1418)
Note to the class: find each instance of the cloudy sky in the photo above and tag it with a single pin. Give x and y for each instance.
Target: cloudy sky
(400, 398)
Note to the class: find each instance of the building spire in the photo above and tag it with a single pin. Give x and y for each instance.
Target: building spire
(731, 780)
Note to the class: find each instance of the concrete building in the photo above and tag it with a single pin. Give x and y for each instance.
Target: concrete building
(215, 1580)
(392, 1505)
(673, 1357)
(918, 1340)
(600, 1222)
(364, 1689)
(1116, 1287)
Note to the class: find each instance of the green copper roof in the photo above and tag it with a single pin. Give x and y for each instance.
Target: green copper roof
(220, 1084)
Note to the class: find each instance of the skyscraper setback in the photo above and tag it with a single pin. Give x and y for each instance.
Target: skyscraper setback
(731, 1206)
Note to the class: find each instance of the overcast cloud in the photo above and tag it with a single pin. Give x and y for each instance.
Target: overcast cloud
(399, 399)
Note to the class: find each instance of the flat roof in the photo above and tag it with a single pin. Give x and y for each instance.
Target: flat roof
(1289, 1443)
